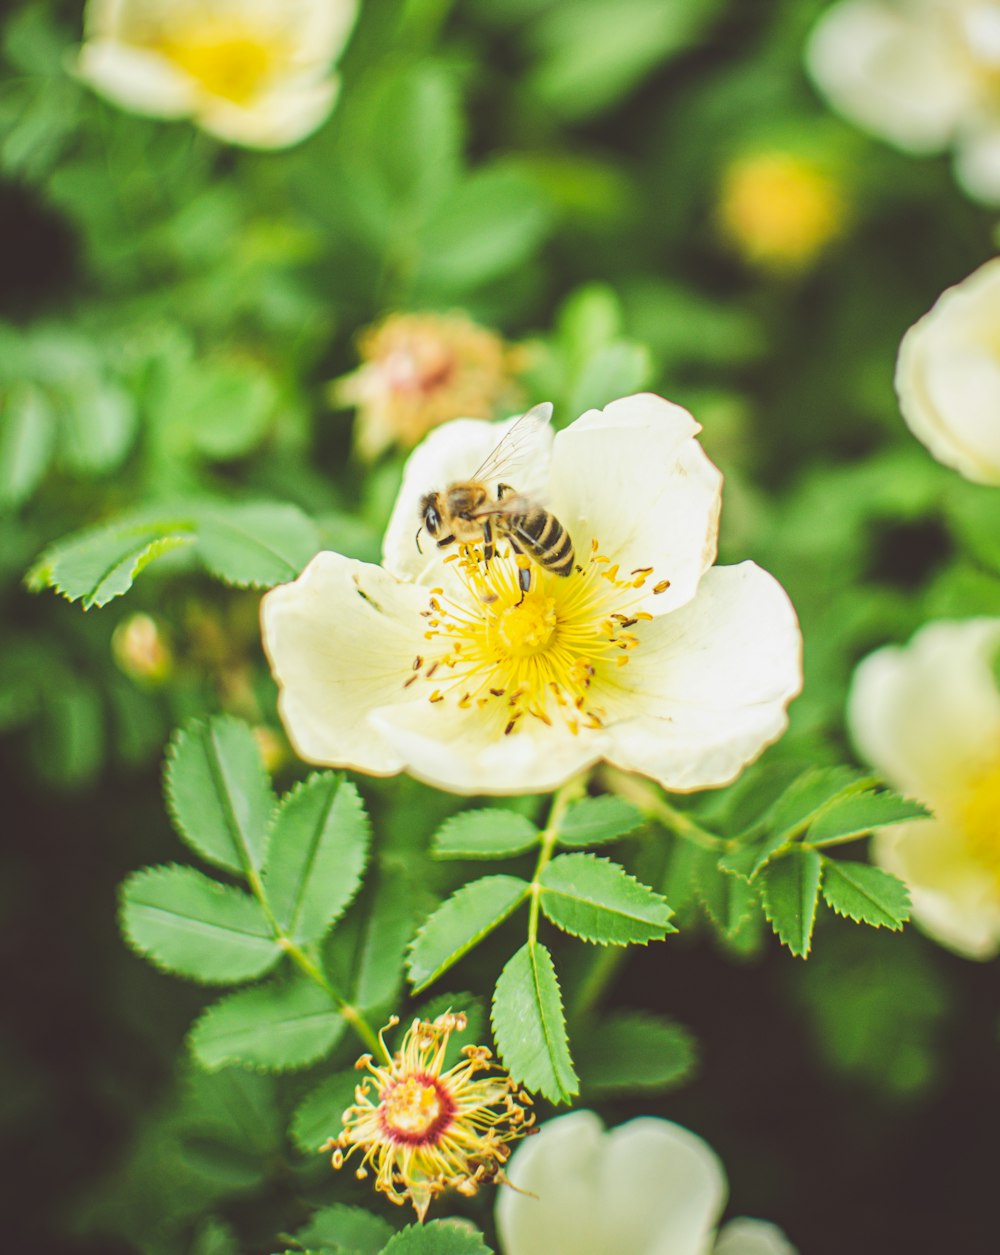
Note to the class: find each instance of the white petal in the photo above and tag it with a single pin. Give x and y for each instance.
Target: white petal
(464, 751)
(647, 1188)
(282, 117)
(927, 716)
(633, 478)
(452, 453)
(948, 377)
(341, 640)
(977, 164)
(898, 73)
(712, 681)
(752, 1237)
(955, 899)
(142, 81)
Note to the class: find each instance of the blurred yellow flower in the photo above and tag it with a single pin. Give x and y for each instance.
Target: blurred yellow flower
(141, 650)
(779, 210)
(948, 376)
(252, 72)
(425, 1130)
(420, 370)
(927, 716)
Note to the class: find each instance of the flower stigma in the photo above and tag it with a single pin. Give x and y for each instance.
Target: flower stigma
(423, 1130)
(550, 652)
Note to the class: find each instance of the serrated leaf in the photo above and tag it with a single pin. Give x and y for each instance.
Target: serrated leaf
(806, 797)
(484, 834)
(597, 900)
(529, 1025)
(866, 894)
(728, 899)
(385, 934)
(790, 892)
(279, 1025)
(102, 563)
(193, 926)
(317, 1118)
(438, 1237)
(27, 436)
(856, 814)
(256, 545)
(748, 861)
(460, 923)
(596, 820)
(319, 842)
(349, 1229)
(219, 794)
(632, 1052)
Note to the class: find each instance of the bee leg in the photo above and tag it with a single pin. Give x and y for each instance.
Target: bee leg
(523, 572)
(488, 547)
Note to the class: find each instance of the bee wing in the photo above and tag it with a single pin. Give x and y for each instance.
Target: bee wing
(516, 446)
(514, 503)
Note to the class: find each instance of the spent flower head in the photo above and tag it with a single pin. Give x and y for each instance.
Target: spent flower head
(419, 370)
(423, 1130)
(508, 675)
(251, 72)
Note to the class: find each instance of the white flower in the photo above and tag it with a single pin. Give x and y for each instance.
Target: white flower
(648, 1187)
(948, 376)
(436, 664)
(252, 72)
(927, 716)
(922, 74)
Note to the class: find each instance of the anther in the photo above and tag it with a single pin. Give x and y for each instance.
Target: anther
(661, 587)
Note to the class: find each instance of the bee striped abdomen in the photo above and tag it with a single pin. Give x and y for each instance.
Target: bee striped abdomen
(542, 537)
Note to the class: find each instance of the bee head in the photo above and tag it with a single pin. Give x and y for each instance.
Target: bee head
(430, 514)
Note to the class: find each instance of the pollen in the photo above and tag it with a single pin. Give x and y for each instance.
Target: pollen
(553, 652)
(424, 1130)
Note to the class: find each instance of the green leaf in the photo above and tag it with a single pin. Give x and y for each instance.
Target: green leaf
(98, 425)
(438, 1237)
(865, 894)
(856, 814)
(218, 793)
(319, 847)
(791, 890)
(599, 901)
(748, 861)
(387, 926)
(634, 1052)
(215, 1238)
(351, 1230)
(101, 563)
(615, 370)
(728, 899)
(529, 1025)
(27, 437)
(256, 545)
(317, 1118)
(597, 820)
(279, 1025)
(189, 924)
(809, 795)
(460, 923)
(484, 834)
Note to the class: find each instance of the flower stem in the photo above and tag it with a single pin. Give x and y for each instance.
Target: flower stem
(561, 799)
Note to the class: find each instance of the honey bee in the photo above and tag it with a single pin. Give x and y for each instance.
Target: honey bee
(465, 512)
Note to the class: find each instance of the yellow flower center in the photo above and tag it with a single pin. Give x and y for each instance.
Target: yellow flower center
(413, 1109)
(228, 60)
(980, 819)
(552, 651)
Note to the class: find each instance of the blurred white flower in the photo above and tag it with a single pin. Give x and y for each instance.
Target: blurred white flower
(922, 74)
(948, 376)
(648, 1187)
(927, 716)
(437, 664)
(252, 72)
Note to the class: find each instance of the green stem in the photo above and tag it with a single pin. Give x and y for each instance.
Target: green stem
(350, 1013)
(602, 971)
(682, 825)
(562, 798)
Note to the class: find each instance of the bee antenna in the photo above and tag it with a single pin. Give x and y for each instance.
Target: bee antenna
(416, 539)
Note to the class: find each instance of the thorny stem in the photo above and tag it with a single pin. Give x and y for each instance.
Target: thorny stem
(562, 798)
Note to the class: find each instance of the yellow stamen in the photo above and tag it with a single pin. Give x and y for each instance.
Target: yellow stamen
(979, 818)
